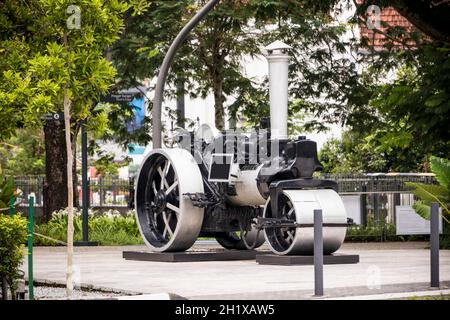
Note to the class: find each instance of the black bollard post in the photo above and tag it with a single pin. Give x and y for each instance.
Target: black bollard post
(434, 245)
(318, 253)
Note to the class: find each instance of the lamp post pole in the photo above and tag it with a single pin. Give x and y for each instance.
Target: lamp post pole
(85, 189)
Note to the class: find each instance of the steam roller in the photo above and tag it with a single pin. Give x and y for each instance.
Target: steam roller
(240, 188)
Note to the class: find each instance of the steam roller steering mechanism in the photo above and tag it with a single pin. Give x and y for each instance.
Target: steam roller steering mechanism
(242, 189)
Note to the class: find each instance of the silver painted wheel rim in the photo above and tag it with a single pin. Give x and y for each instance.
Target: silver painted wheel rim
(291, 241)
(163, 200)
(166, 218)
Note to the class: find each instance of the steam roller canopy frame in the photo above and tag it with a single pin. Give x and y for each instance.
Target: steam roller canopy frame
(168, 60)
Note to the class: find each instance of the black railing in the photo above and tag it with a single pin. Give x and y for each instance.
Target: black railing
(115, 192)
(376, 196)
(103, 192)
(111, 191)
(378, 182)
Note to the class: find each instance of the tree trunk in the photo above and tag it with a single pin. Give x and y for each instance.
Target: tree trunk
(219, 99)
(180, 103)
(55, 195)
(76, 202)
(69, 151)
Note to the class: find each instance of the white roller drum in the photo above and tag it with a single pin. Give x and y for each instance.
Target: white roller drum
(299, 205)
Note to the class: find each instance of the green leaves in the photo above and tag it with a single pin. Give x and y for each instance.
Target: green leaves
(422, 209)
(436, 100)
(23, 153)
(429, 193)
(434, 193)
(107, 229)
(42, 62)
(7, 190)
(13, 233)
(441, 168)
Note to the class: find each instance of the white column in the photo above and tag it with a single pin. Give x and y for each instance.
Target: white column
(278, 58)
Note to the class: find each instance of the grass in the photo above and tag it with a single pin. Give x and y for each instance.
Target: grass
(440, 297)
(377, 233)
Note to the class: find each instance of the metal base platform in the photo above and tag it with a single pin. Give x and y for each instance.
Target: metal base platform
(191, 256)
(85, 244)
(272, 259)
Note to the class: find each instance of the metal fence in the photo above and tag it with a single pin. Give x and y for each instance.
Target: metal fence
(103, 192)
(378, 182)
(110, 192)
(31, 185)
(372, 197)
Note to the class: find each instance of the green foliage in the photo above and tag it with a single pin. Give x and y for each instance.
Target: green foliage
(434, 193)
(441, 168)
(413, 109)
(23, 153)
(372, 233)
(7, 191)
(51, 66)
(13, 233)
(398, 107)
(108, 229)
(352, 154)
(106, 166)
(46, 61)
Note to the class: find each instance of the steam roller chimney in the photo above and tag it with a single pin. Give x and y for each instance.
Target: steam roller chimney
(278, 58)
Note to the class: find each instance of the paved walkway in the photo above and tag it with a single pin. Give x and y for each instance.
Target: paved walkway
(383, 268)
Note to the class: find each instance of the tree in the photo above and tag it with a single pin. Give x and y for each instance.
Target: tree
(211, 59)
(24, 34)
(67, 72)
(23, 153)
(351, 154)
(400, 120)
(21, 39)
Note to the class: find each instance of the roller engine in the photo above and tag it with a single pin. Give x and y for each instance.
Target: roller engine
(240, 188)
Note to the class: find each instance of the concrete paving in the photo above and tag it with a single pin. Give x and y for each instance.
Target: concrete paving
(383, 268)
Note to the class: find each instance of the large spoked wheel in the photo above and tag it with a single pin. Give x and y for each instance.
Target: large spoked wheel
(231, 241)
(281, 239)
(299, 206)
(247, 240)
(166, 217)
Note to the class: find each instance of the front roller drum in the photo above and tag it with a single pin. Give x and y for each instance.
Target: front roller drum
(167, 220)
(299, 206)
